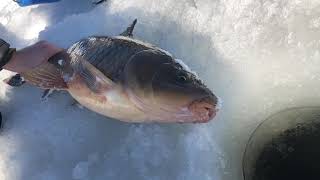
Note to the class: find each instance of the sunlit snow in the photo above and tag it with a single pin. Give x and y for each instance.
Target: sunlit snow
(259, 57)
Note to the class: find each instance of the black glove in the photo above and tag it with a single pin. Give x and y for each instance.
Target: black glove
(5, 53)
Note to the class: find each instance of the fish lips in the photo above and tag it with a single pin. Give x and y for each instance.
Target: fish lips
(204, 109)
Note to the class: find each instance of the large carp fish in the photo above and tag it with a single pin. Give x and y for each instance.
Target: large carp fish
(126, 79)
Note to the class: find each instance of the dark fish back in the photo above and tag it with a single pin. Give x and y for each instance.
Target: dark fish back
(108, 54)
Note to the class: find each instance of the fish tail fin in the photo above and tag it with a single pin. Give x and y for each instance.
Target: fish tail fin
(47, 75)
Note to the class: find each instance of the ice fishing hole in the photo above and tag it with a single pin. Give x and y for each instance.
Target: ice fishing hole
(286, 146)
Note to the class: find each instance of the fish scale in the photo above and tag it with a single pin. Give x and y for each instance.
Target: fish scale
(108, 54)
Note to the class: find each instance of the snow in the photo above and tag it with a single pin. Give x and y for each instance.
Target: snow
(259, 57)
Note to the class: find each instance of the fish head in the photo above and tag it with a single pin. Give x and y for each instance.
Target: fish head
(166, 91)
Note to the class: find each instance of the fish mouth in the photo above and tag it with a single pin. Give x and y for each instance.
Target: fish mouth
(203, 110)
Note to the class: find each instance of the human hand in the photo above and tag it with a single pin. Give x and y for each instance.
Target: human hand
(32, 56)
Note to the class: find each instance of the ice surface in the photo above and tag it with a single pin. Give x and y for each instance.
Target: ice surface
(258, 56)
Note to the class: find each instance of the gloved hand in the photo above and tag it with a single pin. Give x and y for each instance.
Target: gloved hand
(31, 56)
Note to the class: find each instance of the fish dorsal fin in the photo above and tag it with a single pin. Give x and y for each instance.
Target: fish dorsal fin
(129, 31)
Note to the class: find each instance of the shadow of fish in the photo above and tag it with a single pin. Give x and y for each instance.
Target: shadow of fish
(126, 79)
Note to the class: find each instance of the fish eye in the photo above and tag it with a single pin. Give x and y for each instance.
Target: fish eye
(182, 78)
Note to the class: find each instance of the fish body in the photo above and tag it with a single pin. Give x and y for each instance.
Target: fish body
(127, 79)
(109, 56)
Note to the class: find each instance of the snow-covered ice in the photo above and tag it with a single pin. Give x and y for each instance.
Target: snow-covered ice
(258, 56)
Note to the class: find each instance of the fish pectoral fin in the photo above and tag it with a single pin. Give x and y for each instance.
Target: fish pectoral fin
(46, 93)
(129, 31)
(95, 80)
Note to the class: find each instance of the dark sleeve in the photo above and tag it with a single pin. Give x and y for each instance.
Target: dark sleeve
(5, 53)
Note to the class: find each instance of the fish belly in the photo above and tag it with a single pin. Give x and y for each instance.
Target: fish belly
(112, 103)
